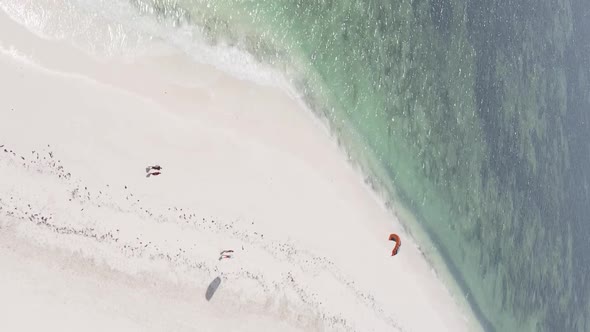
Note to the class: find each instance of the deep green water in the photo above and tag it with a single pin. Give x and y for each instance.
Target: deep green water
(474, 115)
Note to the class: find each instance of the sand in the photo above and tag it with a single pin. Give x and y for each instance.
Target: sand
(88, 242)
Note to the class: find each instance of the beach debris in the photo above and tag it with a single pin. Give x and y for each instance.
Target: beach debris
(398, 243)
(226, 254)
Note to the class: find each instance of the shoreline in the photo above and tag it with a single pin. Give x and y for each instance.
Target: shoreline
(230, 137)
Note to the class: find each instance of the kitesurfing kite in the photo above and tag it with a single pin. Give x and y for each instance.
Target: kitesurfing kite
(398, 243)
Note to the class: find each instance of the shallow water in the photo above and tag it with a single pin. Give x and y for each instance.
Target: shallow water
(477, 111)
(474, 115)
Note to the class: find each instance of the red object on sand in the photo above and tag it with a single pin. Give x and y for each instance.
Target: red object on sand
(398, 243)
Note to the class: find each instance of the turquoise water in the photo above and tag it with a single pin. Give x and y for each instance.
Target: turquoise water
(473, 115)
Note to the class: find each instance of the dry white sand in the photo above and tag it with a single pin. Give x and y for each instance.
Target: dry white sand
(87, 242)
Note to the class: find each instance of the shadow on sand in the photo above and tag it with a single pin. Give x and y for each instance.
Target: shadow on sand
(212, 288)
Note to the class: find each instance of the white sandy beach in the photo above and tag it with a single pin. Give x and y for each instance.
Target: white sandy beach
(88, 242)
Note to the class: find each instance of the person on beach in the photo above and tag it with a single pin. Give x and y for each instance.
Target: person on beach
(225, 254)
(155, 167)
(150, 170)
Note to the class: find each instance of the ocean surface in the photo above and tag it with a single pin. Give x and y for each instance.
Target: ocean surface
(473, 116)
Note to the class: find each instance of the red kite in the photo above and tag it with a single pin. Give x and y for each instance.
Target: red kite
(398, 243)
